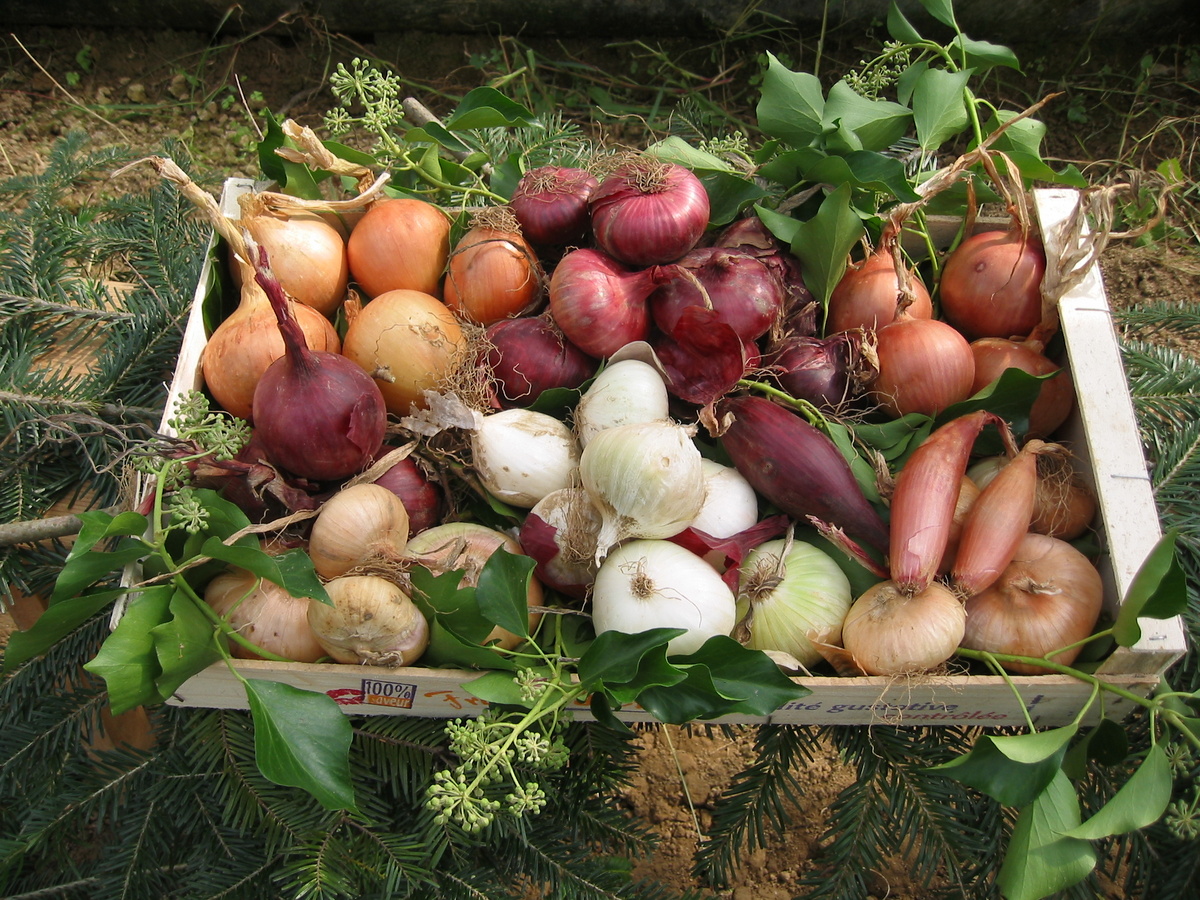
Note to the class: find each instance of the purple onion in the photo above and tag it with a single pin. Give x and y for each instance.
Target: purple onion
(527, 356)
(745, 294)
(551, 203)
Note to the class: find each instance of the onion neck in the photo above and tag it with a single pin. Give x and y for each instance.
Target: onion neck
(294, 342)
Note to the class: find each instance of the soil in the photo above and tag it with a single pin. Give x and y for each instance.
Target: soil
(138, 88)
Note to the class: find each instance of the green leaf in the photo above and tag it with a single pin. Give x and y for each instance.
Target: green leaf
(675, 149)
(899, 27)
(615, 659)
(292, 571)
(895, 438)
(502, 591)
(1011, 396)
(85, 565)
(939, 106)
(302, 739)
(1013, 770)
(866, 170)
(1039, 860)
(55, 624)
(942, 10)
(502, 688)
(981, 55)
(449, 649)
(728, 195)
(268, 160)
(877, 124)
(783, 227)
(1141, 800)
(864, 472)
(1158, 591)
(824, 242)
(792, 104)
(127, 660)
(1107, 744)
(1026, 135)
(486, 107)
(184, 645)
(791, 167)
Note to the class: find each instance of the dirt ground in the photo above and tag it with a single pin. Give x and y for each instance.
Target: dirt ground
(137, 88)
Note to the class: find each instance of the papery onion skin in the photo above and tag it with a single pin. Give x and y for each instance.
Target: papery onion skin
(466, 547)
(866, 296)
(991, 284)
(1049, 597)
(369, 621)
(492, 274)
(600, 304)
(308, 256)
(1056, 398)
(528, 356)
(925, 366)
(265, 614)
(1064, 506)
(646, 584)
(551, 203)
(358, 524)
(649, 212)
(745, 294)
(422, 498)
(400, 244)
(823, 371)
(794, 594)
(409, 342)
(559, 533)
(521, 455)
(890, 632)
(625, 392)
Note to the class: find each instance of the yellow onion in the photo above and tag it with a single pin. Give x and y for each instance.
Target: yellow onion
(358, 524)
(370, 621)
(890, 632)
(264, 614)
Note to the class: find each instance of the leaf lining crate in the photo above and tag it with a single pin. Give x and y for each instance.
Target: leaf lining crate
(1102, 433)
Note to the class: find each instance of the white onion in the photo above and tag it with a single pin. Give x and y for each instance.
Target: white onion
(647, 480)
(730, 505)
(791, 594)
(566, 562)
(649, 584)
(626, 391)
(522, 455)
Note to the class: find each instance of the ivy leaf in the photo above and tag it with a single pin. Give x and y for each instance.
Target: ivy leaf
(876, 123)
(302, 739)
(183, 645)
(127, 660)
(675, 149)
(867, 170)
(939, 106)
(617, 661)
(1013, 770)
(292, 570)
(899, 27)
(792, 104)
(783, 227)
(55, 624)
(1139, 802)
(981, 55)
(449, 649)
(1106, 744)
(502, 591)
(942, 10)
(498, 687)
(86, 565)
(485, 107)
(728, 194)
(895, 438)
(824, 242)
(1040, 860)
(1158, 591)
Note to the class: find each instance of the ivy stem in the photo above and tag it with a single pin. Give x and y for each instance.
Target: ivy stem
(809, 411)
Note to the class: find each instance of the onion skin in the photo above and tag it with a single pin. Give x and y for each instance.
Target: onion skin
(551, 203)
(421, 497)
(528, 356)
(822, 371)
(1050, 596)
(867, 294)
(265, 614)
(649, 212)
(358, 524)
(369, 621)
(408, 341)
(924, 500)
(924, 366)
(746, 295)
(600, 304)
(400, 244)
(1056, 398)
(891, 632)
(1064, 504)
(991, 285)
(493, 274)
(797, 468)
(308, 256)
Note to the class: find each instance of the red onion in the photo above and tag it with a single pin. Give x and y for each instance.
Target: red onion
(649, 211)
(599, 304)
(991, 284)
(551, 203)
(527, 356)
(751, 236)
(317, 414)
(420, 496)
(745, 294)
(819, 370)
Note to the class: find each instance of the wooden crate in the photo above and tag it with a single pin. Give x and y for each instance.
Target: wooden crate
(1103, 434)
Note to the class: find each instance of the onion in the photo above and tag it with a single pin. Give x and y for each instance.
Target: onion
(1056, 397)
(245, 344)
(599, 304)
(358, 524)
(890, 632)
(409, 342)
(265, 614)
(316, 414)
(827, 372)
(527, 356)
(790, 594)
(1064, 505)
(991, 284)
(646, 479)
(924, 366)
(466, 547)
(421, 497)
(560, 534)
(493, 273)
(750, 235)
(730, 504)
(370, 621)
(867, 295)
(1049, 597)
(399, 244)
(647, 584)
(968, 493)
(521, 455)
(625, 392)
(308, 255)
(551, 203)
(648, 212)
(746, 295)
